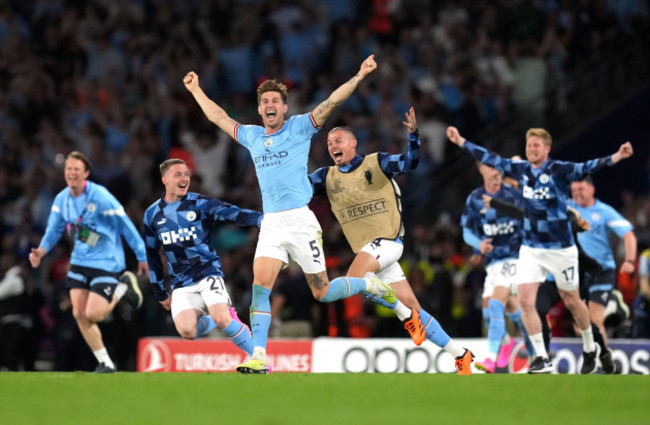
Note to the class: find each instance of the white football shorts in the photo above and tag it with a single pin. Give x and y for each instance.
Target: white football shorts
(208, 291)
(562, 263)
(387, 253)
(501, 273)
(293, 233)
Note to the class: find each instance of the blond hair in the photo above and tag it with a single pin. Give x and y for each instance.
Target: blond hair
(166, 164)
(541, 133)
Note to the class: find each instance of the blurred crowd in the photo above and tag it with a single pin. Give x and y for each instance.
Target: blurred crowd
(105, 77)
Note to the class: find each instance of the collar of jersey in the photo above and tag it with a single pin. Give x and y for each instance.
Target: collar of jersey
(163, 203)
(276, 131)
(352, 165)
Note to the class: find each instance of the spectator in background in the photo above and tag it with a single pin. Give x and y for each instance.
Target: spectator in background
(293, 308)
(641, 326)
(17, 323)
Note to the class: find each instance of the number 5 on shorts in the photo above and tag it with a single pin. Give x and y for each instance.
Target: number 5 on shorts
(315, 249)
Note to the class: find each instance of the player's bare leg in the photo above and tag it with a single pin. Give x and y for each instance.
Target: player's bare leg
(89, 328)
(580, 312)
(532, 322)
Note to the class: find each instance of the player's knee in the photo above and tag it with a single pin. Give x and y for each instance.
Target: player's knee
(223, 319)
(571, 302)
(187, 332)
(528, 303)
(95, 316)
(80, 315)
(319, 294)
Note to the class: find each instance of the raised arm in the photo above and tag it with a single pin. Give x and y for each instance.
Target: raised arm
(411, 123)
(455, 137)
(340, 95)
(212, 111)
(394, 165)
(624, 151)
(507, 166)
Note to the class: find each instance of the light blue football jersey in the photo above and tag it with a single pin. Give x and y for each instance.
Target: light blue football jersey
(280, 160)
(603, 221)
(98, 211)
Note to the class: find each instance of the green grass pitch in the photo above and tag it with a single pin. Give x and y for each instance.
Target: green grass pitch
(334, 399)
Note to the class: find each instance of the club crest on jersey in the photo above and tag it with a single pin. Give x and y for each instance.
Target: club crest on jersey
(91, 207)
(191, 216)
(595, 217)
(543, 178)
(268, 142)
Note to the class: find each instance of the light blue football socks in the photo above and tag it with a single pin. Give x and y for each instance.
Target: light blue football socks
(204, 326)
(260, 315)
(435, 333)
(497, 327)
(344, 287)
(239, 336)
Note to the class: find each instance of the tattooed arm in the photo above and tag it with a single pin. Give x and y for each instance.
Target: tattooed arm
(338, 96)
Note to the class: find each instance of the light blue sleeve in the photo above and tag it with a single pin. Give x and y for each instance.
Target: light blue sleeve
(304, 124)
(243, 134)
(617, 223)
(55, 224)
(471, 238)
(126, 227)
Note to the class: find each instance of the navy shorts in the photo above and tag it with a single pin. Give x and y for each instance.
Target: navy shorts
(94, 280)
(599, 286)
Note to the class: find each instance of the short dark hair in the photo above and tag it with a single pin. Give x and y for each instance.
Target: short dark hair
(166, 164)
(587, 179)
(272, 85)
(81, 157)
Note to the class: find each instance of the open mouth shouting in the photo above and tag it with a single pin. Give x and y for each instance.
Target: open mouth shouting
(336, 154)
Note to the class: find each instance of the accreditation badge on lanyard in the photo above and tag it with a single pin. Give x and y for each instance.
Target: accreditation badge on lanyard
(78, 230)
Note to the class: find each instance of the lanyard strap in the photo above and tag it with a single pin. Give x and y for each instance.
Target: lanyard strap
(85, 210)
